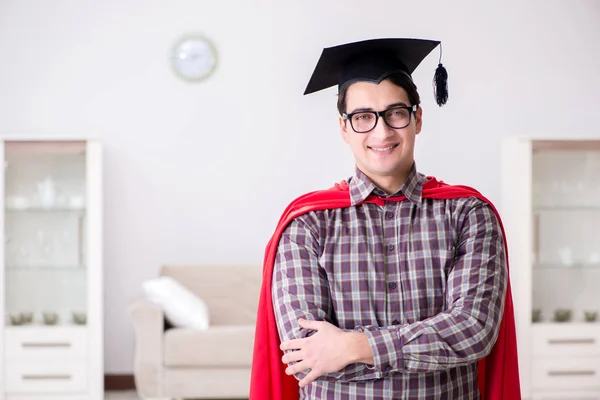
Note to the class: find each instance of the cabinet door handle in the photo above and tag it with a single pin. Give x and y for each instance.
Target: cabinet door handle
(572, 341)
(46, 377)
(40, 344)
(572, 373)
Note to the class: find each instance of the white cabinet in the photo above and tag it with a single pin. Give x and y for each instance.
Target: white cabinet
(51, 252)
(551, 212)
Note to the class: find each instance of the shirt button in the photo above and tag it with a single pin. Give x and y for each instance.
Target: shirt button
(392, 285)
(389, 215)
(390, 247)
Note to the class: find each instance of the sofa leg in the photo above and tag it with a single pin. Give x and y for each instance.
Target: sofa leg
(160, 398)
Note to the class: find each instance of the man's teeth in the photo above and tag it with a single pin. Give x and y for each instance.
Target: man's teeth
(382, 148)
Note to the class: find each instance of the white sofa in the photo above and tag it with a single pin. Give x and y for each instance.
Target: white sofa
(180, 363)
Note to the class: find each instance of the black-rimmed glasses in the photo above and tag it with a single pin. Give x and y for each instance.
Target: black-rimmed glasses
(395, 117)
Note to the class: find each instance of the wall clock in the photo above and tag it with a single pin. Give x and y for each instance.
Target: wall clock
(194, 58)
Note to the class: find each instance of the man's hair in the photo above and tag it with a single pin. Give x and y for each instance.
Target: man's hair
(398, 79)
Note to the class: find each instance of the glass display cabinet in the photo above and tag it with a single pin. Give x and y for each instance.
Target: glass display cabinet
(52, 344)
(551, 213)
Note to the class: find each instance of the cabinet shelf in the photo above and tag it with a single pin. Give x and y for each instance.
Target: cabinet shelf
(567, 208)
(45, 209)
(565, 267)
(45, 268)
(574, 323)
(41, 325)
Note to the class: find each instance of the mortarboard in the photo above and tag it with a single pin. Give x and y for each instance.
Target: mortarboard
(373, 60)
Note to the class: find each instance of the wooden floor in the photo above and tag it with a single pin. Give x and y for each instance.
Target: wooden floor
(122, 395)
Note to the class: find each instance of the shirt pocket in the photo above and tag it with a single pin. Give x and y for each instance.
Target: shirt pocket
(426, 283)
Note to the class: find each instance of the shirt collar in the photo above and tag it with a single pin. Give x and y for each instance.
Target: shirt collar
(361, 187)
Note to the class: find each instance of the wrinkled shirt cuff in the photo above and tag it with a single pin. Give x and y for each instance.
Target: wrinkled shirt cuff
(386, 346)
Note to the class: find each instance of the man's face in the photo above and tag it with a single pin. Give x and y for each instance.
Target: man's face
(384, 151)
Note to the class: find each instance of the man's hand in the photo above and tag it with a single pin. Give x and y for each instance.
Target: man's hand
(330, 349)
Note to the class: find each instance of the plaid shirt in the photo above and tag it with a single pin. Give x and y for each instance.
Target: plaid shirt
(424, 279)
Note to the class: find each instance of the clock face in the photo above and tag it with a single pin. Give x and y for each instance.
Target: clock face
(194, 58)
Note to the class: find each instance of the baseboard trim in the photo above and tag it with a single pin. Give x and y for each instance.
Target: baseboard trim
(119, 382)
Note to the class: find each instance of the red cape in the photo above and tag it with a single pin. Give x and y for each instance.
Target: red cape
(498, 372)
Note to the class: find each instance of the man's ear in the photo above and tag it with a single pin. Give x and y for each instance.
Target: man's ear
(418, 120)
(344, 129)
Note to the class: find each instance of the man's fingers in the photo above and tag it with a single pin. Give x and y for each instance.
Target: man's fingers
(296, 368)
(296, 344)
(313, 375)
(312, 325)
(293, 344)
(292, 356)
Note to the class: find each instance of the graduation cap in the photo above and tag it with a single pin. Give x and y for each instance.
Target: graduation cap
(374, 60)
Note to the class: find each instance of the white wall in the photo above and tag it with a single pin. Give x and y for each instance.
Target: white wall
(200, 172)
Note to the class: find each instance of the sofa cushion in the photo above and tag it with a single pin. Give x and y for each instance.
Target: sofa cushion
(218, 346)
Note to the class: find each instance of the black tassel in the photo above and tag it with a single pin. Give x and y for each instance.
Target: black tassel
(440, 85)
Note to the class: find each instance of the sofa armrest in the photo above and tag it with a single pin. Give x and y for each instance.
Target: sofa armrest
(147, 319)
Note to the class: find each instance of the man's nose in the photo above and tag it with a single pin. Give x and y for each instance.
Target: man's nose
(382, 128)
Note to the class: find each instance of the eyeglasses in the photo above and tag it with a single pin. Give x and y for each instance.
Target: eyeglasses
(366, 121)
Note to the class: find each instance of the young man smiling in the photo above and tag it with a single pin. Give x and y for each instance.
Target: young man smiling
(392, 285)
(383, 150)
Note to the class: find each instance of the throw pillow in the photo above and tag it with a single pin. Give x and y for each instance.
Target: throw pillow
(181, 306)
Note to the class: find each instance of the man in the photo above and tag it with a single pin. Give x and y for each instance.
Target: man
(392, 285)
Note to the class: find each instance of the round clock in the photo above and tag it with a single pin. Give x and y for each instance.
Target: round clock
(194, 58)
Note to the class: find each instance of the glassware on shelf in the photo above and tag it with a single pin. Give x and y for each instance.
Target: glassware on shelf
(22, 256)
(16, 319)
(26, 317)
(50, 318)
(590, 316)
(21, 318)
(79, 318)
(17, 202)
(566, 256)
(46, 192)
(76, 202)
(562, 315)
(594, 258)
(536, 315)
